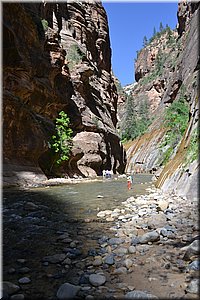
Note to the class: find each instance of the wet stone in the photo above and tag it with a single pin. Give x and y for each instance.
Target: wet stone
(11, 271)
(17, 297)
(10, 288)
(24, 270)
(67, 291)
(54, 259)
(24, 280)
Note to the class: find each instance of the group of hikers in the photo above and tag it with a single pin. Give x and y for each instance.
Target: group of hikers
(109, 173)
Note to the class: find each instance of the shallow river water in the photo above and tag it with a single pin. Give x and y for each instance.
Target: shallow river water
(34, 218)
(52, 235)
(84, 199)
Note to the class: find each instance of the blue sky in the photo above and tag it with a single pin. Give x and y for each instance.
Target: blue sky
(128, 23)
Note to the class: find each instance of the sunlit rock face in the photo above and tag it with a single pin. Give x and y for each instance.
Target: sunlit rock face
(179, 70)
(63, 66)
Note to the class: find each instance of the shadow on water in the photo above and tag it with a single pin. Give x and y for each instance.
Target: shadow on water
(34, 219)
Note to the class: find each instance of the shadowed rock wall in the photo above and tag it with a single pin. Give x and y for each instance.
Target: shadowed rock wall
(63, 66)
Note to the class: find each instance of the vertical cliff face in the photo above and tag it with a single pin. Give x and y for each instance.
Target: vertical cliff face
(177, 78)
(57, 56)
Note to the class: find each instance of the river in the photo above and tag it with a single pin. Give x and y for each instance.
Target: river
(34, 218)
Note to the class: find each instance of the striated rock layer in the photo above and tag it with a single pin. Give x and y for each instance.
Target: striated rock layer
(57, 56)
(180, 71)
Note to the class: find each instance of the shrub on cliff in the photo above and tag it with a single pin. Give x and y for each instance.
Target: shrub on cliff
(74, 56)
(62, 140)
(176, 121)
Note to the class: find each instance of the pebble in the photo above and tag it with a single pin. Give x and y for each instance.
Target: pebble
(97, 279)
(67, 291)
(17, 297)
(137, 294)
(54, 259)
(128, 263)
(120, 270)
(10, 288)
(109, 259)
(115, 241)
(24, 280)
(24, 270)
(193, 287)
(151, 236)
(132, 249)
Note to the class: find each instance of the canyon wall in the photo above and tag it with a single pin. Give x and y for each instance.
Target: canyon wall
(163, 80)
(57, 56)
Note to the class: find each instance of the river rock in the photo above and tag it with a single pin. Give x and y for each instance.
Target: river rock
(151, 236)
(17, 297)
(139, 295)
(54, 259)
(97, 261)
(195, 265)
(24, 270)
(109, 259)
(132, 249)
(193, 287)
(128, 263)
(67, 291)
(192, 249)
(97, 279)
(10, 288)
(121, 251)
(115, 241)
(157, 220)
(120, 270)
(30, 206)
(163, 204)
(24, 280)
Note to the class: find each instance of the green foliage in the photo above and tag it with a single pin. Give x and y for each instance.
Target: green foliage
(145, 41)
(74, 56)
(62, 140)
(44, 24)
(167, 154)
(175, 120)
(177, 115)
(161, 27)
(119, 87)
(192, 150)
(135, 125)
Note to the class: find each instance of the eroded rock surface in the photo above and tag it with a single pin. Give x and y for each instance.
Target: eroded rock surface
(58, 57)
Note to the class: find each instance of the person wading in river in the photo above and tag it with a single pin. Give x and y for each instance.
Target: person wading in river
(129, 182)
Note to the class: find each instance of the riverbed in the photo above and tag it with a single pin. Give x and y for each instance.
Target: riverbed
(57, 235)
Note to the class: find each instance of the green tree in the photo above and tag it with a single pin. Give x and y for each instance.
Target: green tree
(62, 140)
(134, 124)
(44, 24)
(154, 31)
(161, 28)
(145, 41)
(74, 56)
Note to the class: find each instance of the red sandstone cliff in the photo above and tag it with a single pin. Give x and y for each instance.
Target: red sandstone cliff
(40, 79)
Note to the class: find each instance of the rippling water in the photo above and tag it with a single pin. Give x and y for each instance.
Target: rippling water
(83, 199)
